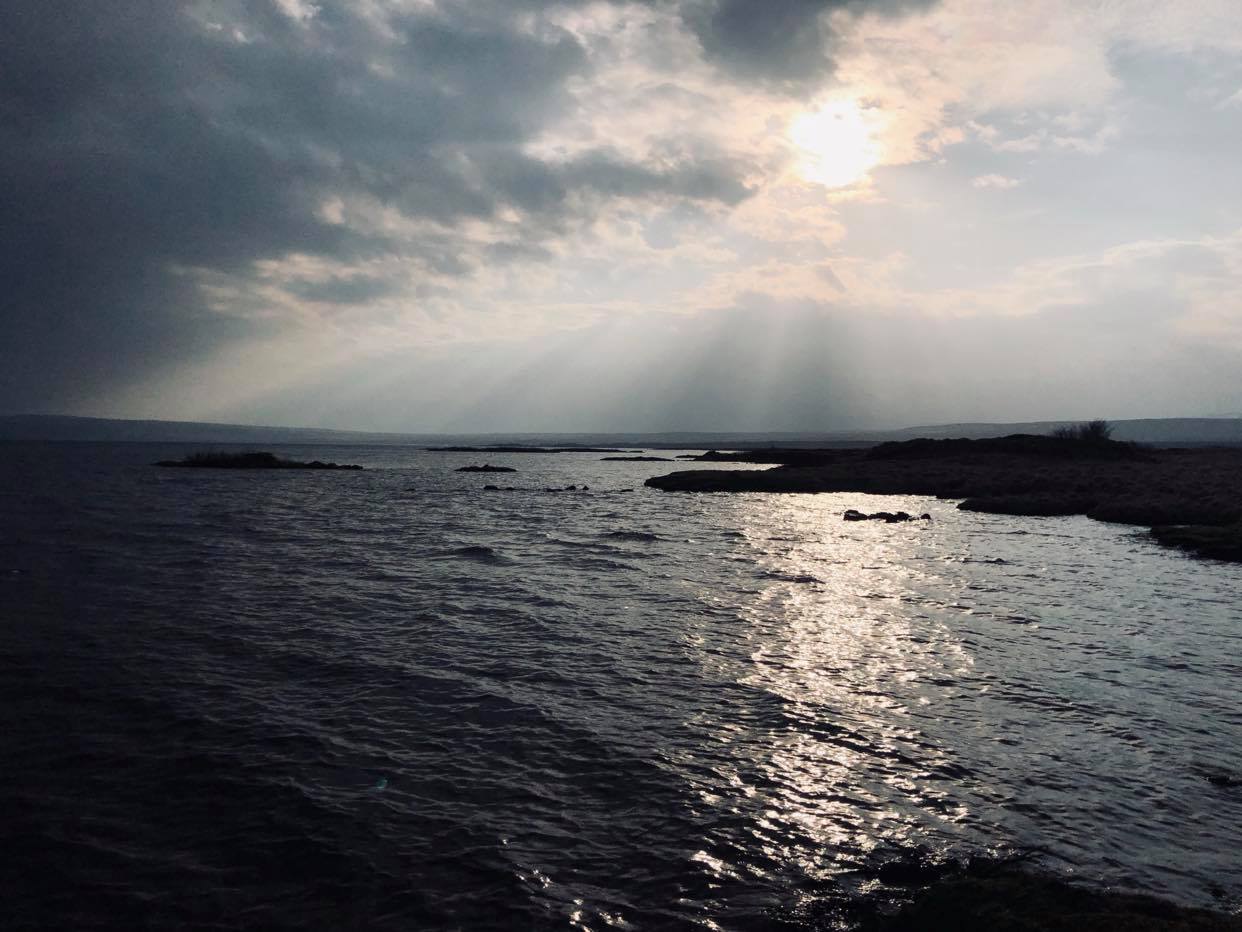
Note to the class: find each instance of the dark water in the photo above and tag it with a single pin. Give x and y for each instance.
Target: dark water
(389, 699)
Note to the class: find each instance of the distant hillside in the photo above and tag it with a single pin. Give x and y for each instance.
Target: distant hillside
(62, 428)
(1167, 431)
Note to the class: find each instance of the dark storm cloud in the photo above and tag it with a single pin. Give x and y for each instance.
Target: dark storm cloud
(139, 137)
(353, 290)
(785, 41)
(141, 140)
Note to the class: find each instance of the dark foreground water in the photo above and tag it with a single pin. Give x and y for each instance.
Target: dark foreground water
(391, 700)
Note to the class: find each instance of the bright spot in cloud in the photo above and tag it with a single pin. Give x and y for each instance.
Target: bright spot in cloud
(995, 181)
(837, 144)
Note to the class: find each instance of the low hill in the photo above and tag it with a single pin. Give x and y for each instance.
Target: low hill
(55, 428)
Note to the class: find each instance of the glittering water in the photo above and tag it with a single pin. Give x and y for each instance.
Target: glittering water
(390, 699)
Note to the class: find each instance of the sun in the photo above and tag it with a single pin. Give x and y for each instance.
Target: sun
(837, 144)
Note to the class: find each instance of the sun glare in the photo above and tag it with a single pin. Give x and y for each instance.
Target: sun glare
(837, 145)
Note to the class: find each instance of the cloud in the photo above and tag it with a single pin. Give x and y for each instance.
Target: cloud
(1023, 78)
(150, 149)
(767, 364)
(786, 41)
(221, 197)
(994, 181)
(1169, 290)
(168, 169)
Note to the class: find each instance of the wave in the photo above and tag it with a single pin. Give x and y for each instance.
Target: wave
(478, 553)
(643, 536)
(238, 668)
(790, 577)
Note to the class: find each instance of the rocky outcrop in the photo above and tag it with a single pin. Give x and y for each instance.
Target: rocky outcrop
(1202, 540)
(512, 488)
(1032, 902)
(889, 517)
(486, 467)
(918, 892)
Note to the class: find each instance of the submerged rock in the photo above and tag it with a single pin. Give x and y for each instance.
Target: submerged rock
(1223, 779)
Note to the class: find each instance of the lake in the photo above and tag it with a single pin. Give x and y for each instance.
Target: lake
(391, 699)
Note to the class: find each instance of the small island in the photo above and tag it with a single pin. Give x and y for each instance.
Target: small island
(256, 460)
(635, 459)
(1189, 498)
(518, 448)
(486, 467)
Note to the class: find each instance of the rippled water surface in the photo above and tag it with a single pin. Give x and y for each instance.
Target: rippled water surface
(390, 699)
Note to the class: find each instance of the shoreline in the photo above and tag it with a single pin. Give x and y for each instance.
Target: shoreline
(1190, 499)
(1017, 899)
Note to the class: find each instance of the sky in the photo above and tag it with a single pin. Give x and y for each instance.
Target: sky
(513, 215)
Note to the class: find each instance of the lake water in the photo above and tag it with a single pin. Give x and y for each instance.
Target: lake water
(392, 700)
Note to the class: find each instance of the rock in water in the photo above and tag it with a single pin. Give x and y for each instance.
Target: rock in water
(889, 517)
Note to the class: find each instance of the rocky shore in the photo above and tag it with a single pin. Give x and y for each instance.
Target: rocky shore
(1014, 892)
(1018, 901)
(1190, 498)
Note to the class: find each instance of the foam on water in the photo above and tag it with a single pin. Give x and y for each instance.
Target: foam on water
(389, 699)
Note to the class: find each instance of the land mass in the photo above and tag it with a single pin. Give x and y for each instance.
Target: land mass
(1031, 902)
(61, 428)
(1190, 498)
(248, 461)
(501, 448)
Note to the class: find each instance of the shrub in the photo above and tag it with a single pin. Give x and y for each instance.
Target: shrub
(1090, 432)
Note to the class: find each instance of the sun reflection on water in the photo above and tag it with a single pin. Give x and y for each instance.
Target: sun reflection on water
(845, 767)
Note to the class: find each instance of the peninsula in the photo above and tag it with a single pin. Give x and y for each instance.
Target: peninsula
(1190, 498)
